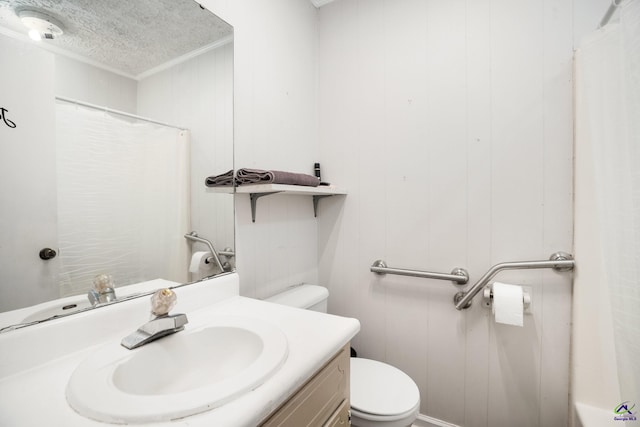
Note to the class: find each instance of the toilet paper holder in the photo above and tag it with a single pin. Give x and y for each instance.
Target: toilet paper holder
(487, 297)
(215, 255)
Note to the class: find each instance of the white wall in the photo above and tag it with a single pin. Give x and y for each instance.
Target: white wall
(450, 123)
(80, 81)
(28, 214)
(198, 94)
(276, 127)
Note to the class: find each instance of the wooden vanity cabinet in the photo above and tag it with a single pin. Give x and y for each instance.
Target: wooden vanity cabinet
(323, 401)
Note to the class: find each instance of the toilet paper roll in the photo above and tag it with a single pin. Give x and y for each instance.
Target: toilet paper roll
(508, 305)
(199, 262)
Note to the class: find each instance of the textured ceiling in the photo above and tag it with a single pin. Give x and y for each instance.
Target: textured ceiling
(131, 36)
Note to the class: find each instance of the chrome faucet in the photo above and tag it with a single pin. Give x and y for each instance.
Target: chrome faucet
(161, 323)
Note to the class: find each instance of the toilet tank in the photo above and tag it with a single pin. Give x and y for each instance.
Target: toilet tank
(309, 297)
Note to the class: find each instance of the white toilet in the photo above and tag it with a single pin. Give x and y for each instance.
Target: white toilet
(381, 395)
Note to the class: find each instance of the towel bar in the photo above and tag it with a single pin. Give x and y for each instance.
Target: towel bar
(559, 261)
(459, 276)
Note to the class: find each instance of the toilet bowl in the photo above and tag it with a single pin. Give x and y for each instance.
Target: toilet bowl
(381, 395)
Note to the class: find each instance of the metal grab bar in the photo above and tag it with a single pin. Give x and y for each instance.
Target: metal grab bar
(228, 252)
(560, 261)
(194, 236)
(459, 275)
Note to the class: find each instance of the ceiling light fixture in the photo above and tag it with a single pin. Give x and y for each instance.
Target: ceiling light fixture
(40, 24)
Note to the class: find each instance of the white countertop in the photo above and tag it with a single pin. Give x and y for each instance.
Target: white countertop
(34, 375)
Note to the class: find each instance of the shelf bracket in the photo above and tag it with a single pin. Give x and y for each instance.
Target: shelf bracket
(254, 200)
(316, 198)
(255, 196)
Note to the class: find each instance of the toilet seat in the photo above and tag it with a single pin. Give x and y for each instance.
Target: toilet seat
(405, 419)
(381, 392)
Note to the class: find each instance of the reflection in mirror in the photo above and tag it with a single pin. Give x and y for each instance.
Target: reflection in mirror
(109, 125)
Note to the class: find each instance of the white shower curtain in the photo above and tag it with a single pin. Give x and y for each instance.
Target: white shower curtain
(608, 115)
(123, 198)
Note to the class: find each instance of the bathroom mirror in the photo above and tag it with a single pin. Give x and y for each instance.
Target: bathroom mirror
(108, 127)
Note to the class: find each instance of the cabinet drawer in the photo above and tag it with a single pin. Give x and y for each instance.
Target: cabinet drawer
(316, 401)
(341, 417)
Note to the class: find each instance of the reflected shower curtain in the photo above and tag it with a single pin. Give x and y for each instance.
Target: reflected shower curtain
(123, 198)
(608, 115)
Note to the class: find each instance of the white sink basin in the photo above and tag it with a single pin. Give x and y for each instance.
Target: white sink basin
(180, 375)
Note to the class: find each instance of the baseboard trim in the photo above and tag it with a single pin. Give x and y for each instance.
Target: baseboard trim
(426, 421)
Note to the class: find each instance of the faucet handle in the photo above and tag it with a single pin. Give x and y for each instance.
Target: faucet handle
(162, 301)
(103, 290)
(103, 283)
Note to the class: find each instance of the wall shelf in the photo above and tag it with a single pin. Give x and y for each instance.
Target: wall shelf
(259, 190)
(220, 190)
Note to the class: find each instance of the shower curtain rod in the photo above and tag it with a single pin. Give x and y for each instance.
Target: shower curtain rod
(121, 113)
(609, 13)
